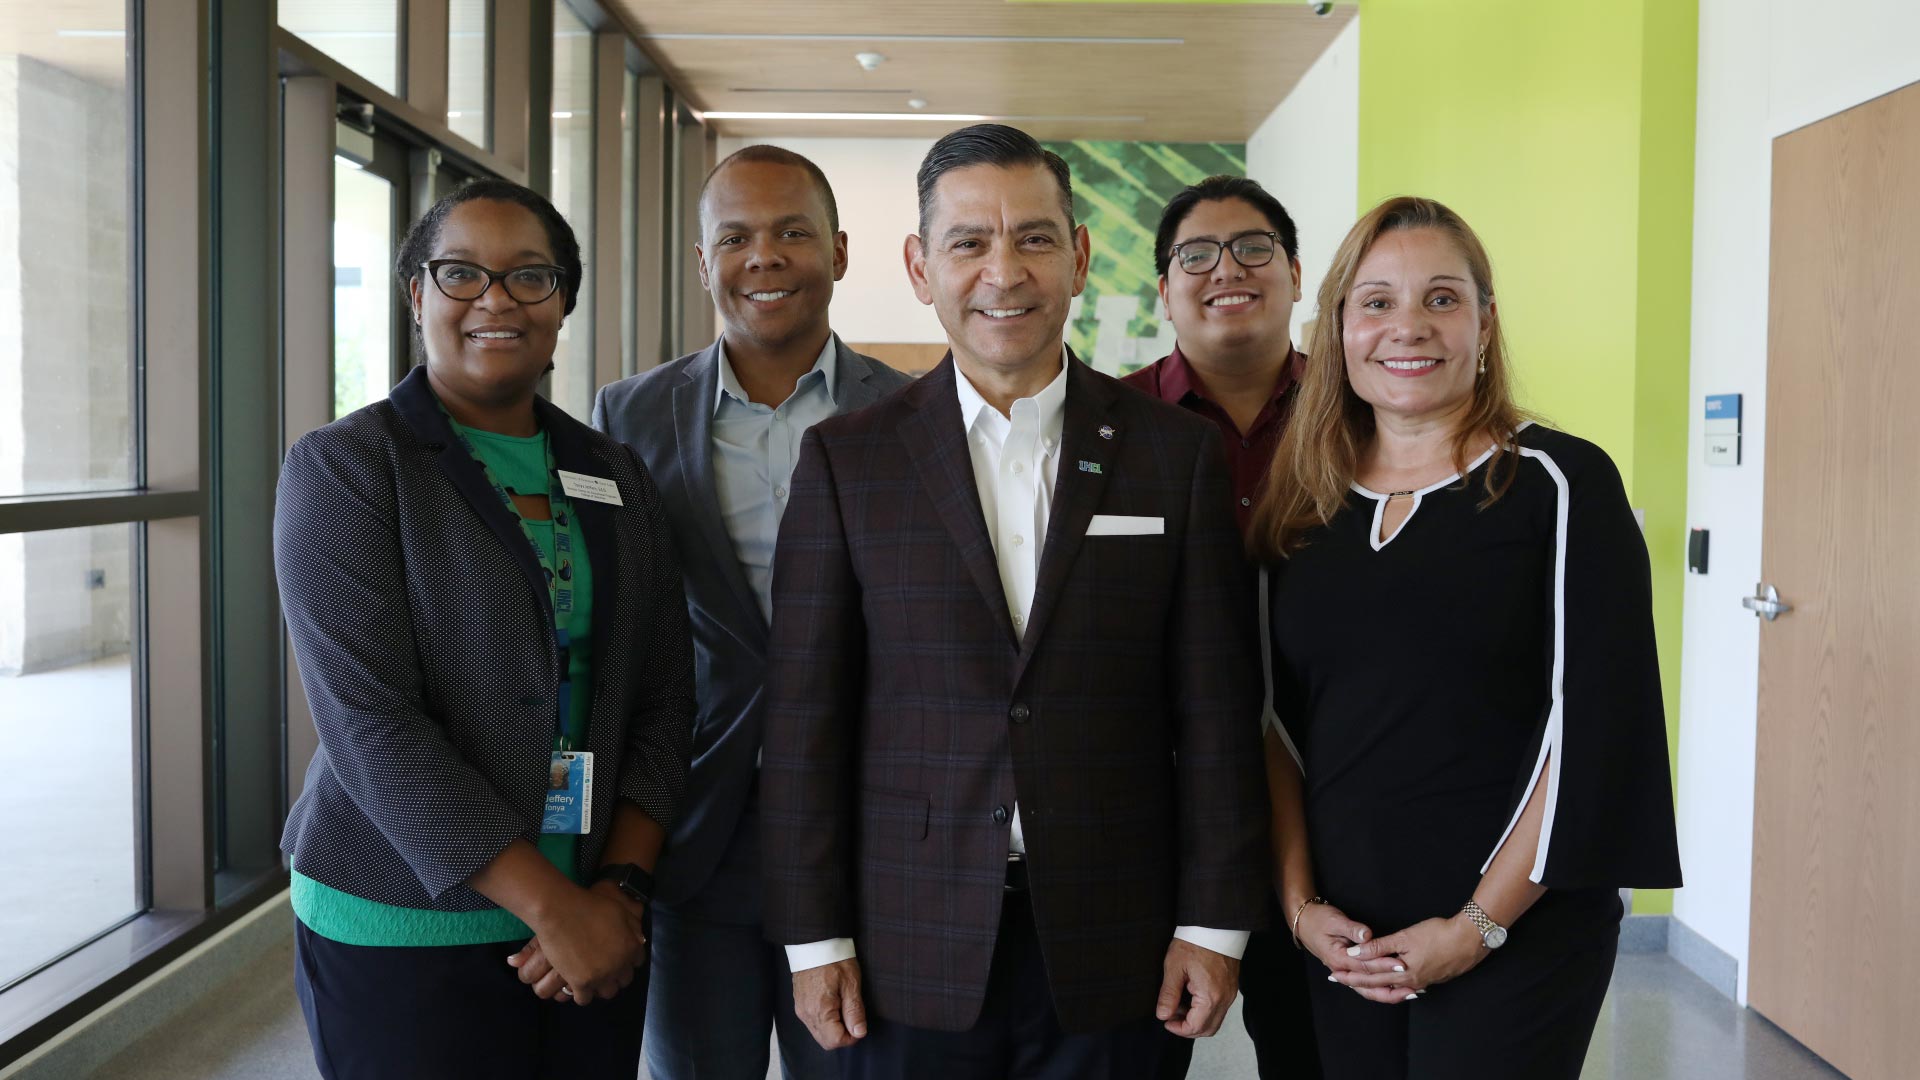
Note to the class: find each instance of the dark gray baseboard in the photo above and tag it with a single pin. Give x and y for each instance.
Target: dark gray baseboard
(1644, 933)
(1713, 964)
(1666, 934)
(156, 1000)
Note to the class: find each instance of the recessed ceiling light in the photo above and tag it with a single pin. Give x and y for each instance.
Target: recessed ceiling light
(818, 90)
(969, 39)
(928, 117)
(868, 60)
(948, 117)
(916, 103)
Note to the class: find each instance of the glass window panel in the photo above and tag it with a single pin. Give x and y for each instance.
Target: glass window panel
(68, 741)
(572, 192)
(629, 238)
(363, 35)
(66, 244)
(362, 293)
(469, 44)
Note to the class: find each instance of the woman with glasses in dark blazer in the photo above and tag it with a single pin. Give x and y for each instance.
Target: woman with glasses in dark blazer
(491, 630)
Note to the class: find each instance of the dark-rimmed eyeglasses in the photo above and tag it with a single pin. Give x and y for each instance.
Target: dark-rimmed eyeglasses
(1249, 250)
(460, 280)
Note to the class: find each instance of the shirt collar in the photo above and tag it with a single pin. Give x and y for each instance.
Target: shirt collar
(827, 364)
(1051, 402)
(1178, 379)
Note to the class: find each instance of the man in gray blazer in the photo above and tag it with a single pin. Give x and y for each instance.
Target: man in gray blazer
(720, 430)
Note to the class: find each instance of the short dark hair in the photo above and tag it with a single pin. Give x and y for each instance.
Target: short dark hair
(1219, 189)
(989, 144)
(418, 246)
(766, 154)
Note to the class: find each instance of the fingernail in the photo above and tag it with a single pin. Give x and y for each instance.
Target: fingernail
(1330, 979)
(1413, 997)
(1363, 935)
(1397, 967)
(1354, 951)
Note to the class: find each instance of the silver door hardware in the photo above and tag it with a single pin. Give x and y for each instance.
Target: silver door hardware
(1765, 602)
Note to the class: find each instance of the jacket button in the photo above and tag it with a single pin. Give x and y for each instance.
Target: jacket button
(1018, 714)
(1000, 815)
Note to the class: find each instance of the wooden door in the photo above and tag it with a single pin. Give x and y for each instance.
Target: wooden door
(1836, 853)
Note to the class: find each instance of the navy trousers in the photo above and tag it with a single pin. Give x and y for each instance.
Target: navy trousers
(1018, 1035)
(456, 1012)
(717, 987)
(1275, 1007)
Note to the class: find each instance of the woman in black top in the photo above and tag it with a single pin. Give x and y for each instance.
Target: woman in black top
(1464, 662)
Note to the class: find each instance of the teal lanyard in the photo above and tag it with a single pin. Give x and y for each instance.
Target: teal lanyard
(559, 578)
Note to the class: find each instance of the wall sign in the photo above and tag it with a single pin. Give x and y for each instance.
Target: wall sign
(1723, 429)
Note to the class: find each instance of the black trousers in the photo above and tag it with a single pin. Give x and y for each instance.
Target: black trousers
(456, 1012)
(1018, 1035)
(1526, 1013)
(1275, 1007)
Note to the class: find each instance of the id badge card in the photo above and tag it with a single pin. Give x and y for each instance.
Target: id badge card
(569, 794)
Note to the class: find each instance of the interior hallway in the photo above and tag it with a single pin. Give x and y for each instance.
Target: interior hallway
(1660, 1023)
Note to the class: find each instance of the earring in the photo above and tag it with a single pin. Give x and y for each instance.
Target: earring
(1483, 359)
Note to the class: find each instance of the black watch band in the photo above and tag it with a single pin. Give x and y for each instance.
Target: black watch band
(630, 879)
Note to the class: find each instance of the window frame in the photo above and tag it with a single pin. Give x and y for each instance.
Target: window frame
(218, 397)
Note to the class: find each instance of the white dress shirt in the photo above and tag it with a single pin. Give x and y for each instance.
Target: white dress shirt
(1016, 463)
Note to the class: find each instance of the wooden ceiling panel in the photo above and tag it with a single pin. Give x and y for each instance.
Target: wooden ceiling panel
(1185, 72)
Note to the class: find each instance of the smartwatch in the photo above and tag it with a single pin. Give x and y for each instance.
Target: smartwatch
(630, 879)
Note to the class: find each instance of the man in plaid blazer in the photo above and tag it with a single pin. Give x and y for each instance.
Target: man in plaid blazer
(1013, 808)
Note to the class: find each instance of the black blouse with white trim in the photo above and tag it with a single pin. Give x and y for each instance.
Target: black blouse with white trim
(1431, 680)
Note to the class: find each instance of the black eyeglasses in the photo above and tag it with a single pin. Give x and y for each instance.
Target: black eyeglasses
(1249, 250)
(459, 280)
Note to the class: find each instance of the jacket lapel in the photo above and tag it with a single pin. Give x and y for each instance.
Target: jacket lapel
(693, 434)
(851, 391)
(937, 442)
(417, 405)
(1086, 460)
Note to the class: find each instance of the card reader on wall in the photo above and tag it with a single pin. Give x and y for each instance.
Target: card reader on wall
(1697, 551)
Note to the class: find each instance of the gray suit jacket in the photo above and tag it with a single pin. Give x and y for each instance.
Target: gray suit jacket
(666, 415)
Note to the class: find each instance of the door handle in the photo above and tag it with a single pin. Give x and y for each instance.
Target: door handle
(1765, 602)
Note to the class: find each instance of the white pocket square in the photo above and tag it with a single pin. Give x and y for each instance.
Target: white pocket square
(1123, 525)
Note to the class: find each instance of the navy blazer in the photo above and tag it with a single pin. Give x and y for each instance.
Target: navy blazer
(666, 415)
(423, 627)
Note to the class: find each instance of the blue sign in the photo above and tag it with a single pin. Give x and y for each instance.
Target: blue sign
(1723, 406)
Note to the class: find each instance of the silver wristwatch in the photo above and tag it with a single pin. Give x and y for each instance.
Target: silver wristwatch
(1492, 934)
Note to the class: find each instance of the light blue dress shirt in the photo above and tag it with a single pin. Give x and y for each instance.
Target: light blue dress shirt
(754, 450)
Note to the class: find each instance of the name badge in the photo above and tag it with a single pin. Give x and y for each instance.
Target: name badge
(569, 794)
(578, 486)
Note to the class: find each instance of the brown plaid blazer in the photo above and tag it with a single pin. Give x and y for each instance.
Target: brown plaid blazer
(906, 717)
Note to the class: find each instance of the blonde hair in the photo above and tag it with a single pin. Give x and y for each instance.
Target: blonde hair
(1319, 455)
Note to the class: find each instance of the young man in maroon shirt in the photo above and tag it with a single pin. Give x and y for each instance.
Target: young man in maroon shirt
(1228, 260)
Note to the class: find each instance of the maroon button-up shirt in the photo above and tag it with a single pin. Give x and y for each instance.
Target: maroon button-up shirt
(1173, 380)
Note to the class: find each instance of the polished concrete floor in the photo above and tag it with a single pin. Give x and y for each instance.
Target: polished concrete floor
(1660, 1023)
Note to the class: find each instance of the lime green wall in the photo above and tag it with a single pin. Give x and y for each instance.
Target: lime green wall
(1563, 133)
